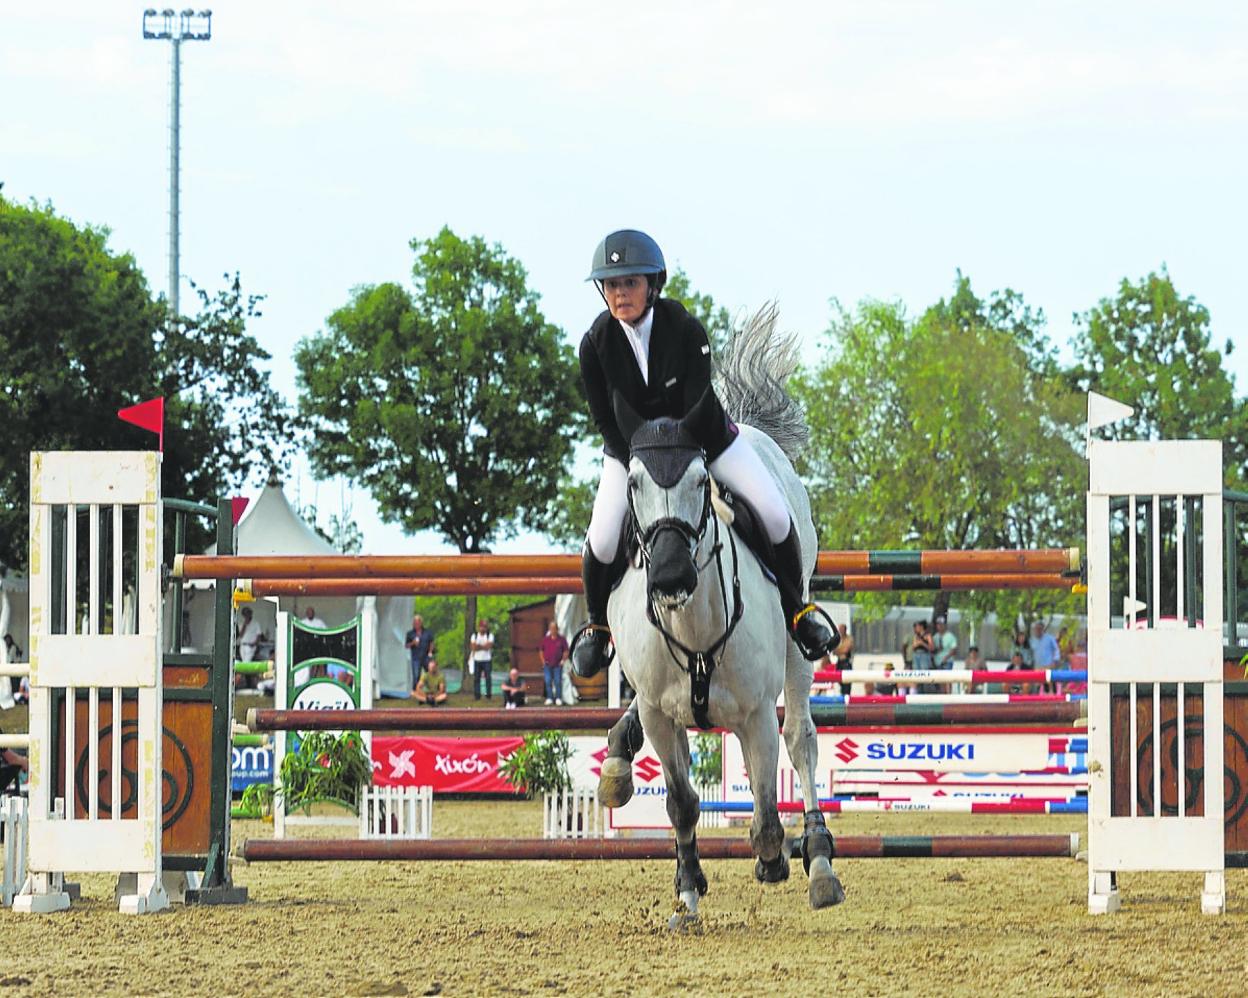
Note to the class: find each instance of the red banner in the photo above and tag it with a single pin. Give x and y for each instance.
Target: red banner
(449, 765)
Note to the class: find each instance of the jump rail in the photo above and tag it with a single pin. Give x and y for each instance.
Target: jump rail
(712, 847)
(527, 585)
(601, 718)
(946, 676)
(1044, 560)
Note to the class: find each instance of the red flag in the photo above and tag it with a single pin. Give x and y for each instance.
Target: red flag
(237, 505)
(149, 415)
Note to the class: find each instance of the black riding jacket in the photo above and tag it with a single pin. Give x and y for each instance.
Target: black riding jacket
(679, 367)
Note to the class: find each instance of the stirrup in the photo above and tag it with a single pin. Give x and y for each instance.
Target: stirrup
(810, 652)
(605, 656)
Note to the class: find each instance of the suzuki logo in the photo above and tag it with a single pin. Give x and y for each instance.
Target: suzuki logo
(599, 757)
(401, 764)
(847, 750)
(647, 768)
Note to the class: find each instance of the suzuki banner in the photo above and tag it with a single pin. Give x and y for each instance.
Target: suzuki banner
(449, 765)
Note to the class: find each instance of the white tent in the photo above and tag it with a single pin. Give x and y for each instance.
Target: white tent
(271, 526)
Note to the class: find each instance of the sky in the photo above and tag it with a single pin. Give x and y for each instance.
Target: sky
(802, 152)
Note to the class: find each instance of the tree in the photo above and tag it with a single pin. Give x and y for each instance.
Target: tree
(455, 404)
(81, 337)
(1153, 349)
(945, 432)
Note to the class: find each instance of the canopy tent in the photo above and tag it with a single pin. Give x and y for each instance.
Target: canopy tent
(270, 525)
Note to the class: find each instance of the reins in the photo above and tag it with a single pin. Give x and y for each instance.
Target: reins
(699, 664)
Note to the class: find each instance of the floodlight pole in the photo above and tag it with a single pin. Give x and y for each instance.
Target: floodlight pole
(176, 27)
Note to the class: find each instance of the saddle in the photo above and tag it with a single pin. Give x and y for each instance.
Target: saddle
(736, 513)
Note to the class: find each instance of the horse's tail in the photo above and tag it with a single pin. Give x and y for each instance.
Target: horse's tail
(750, 375)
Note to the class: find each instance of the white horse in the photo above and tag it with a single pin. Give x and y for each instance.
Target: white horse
(697, 622)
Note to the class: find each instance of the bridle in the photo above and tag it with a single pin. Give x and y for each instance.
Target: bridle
(699, 664)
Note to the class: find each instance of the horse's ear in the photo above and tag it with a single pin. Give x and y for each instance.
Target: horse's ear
(625, 418)
(700, 421)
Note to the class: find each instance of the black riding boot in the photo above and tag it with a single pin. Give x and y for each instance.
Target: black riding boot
(592, 644)
(806, 624)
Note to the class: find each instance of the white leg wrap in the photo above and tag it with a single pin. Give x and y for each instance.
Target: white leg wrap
(743, 472)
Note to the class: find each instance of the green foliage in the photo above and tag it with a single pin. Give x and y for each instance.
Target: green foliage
(326, 768)
(951, 431)
(708, 758)
(456, 404)
(569, 513)
(81, 337)
(540, 765)
(445, 616)
(1153, 349)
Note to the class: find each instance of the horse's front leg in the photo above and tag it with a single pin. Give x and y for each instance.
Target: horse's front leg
(802, 741)
(624, 741)
(671, 744)
(760, 743)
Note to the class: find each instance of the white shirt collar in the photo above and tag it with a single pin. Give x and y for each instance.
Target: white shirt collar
(638, 337)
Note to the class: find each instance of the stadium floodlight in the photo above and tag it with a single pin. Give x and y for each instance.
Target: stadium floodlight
(175, 27)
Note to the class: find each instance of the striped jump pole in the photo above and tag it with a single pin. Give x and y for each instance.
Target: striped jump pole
(935, 562)
(936, 805)
(601, 718)
(534, 585)
(941, 698)
(946, 676)
(712, 847)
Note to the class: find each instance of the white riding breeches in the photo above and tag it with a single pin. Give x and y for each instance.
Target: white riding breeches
(738, 468)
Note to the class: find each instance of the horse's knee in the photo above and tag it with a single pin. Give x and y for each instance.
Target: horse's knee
(626, 736)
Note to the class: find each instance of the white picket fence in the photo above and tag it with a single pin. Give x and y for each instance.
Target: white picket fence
(573, 814)
(396, 812)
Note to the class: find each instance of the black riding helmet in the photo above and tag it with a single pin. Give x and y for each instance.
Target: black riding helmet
(629, 252)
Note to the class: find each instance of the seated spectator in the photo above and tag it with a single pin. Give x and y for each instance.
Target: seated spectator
(973, 662)
(1078, 660)
(1017, 665)
(513, 690)
(431, 686)
(12, 765)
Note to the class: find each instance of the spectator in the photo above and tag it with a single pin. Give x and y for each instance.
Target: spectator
(13, 653)
(923, 648)
(248, 635)
(431, 686)
(1022, 646)
(513, 689)
(12, 765)
(1045, 653)
(973, 662)
(1078, 660)
(1017, 665)
(482, 644)
(419, 644)
(554, 654)
(844, 648)
(310, 619)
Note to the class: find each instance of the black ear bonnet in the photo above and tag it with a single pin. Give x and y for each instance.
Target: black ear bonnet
(666, 449)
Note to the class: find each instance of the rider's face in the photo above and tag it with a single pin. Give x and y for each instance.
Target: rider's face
(626, 297)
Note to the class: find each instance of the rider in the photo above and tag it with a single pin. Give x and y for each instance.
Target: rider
(656, 355)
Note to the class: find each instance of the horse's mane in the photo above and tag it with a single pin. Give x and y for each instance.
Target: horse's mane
(750, 375)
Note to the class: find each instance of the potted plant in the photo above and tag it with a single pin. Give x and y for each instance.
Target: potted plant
(540, 766)
(707, 773)
(325, 768)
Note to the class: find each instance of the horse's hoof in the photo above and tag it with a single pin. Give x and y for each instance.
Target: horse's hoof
(825, 886)
(775, 872)
(615, 782)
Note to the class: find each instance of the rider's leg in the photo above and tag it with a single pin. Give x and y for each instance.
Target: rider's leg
(743, 472)
(589, 650)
